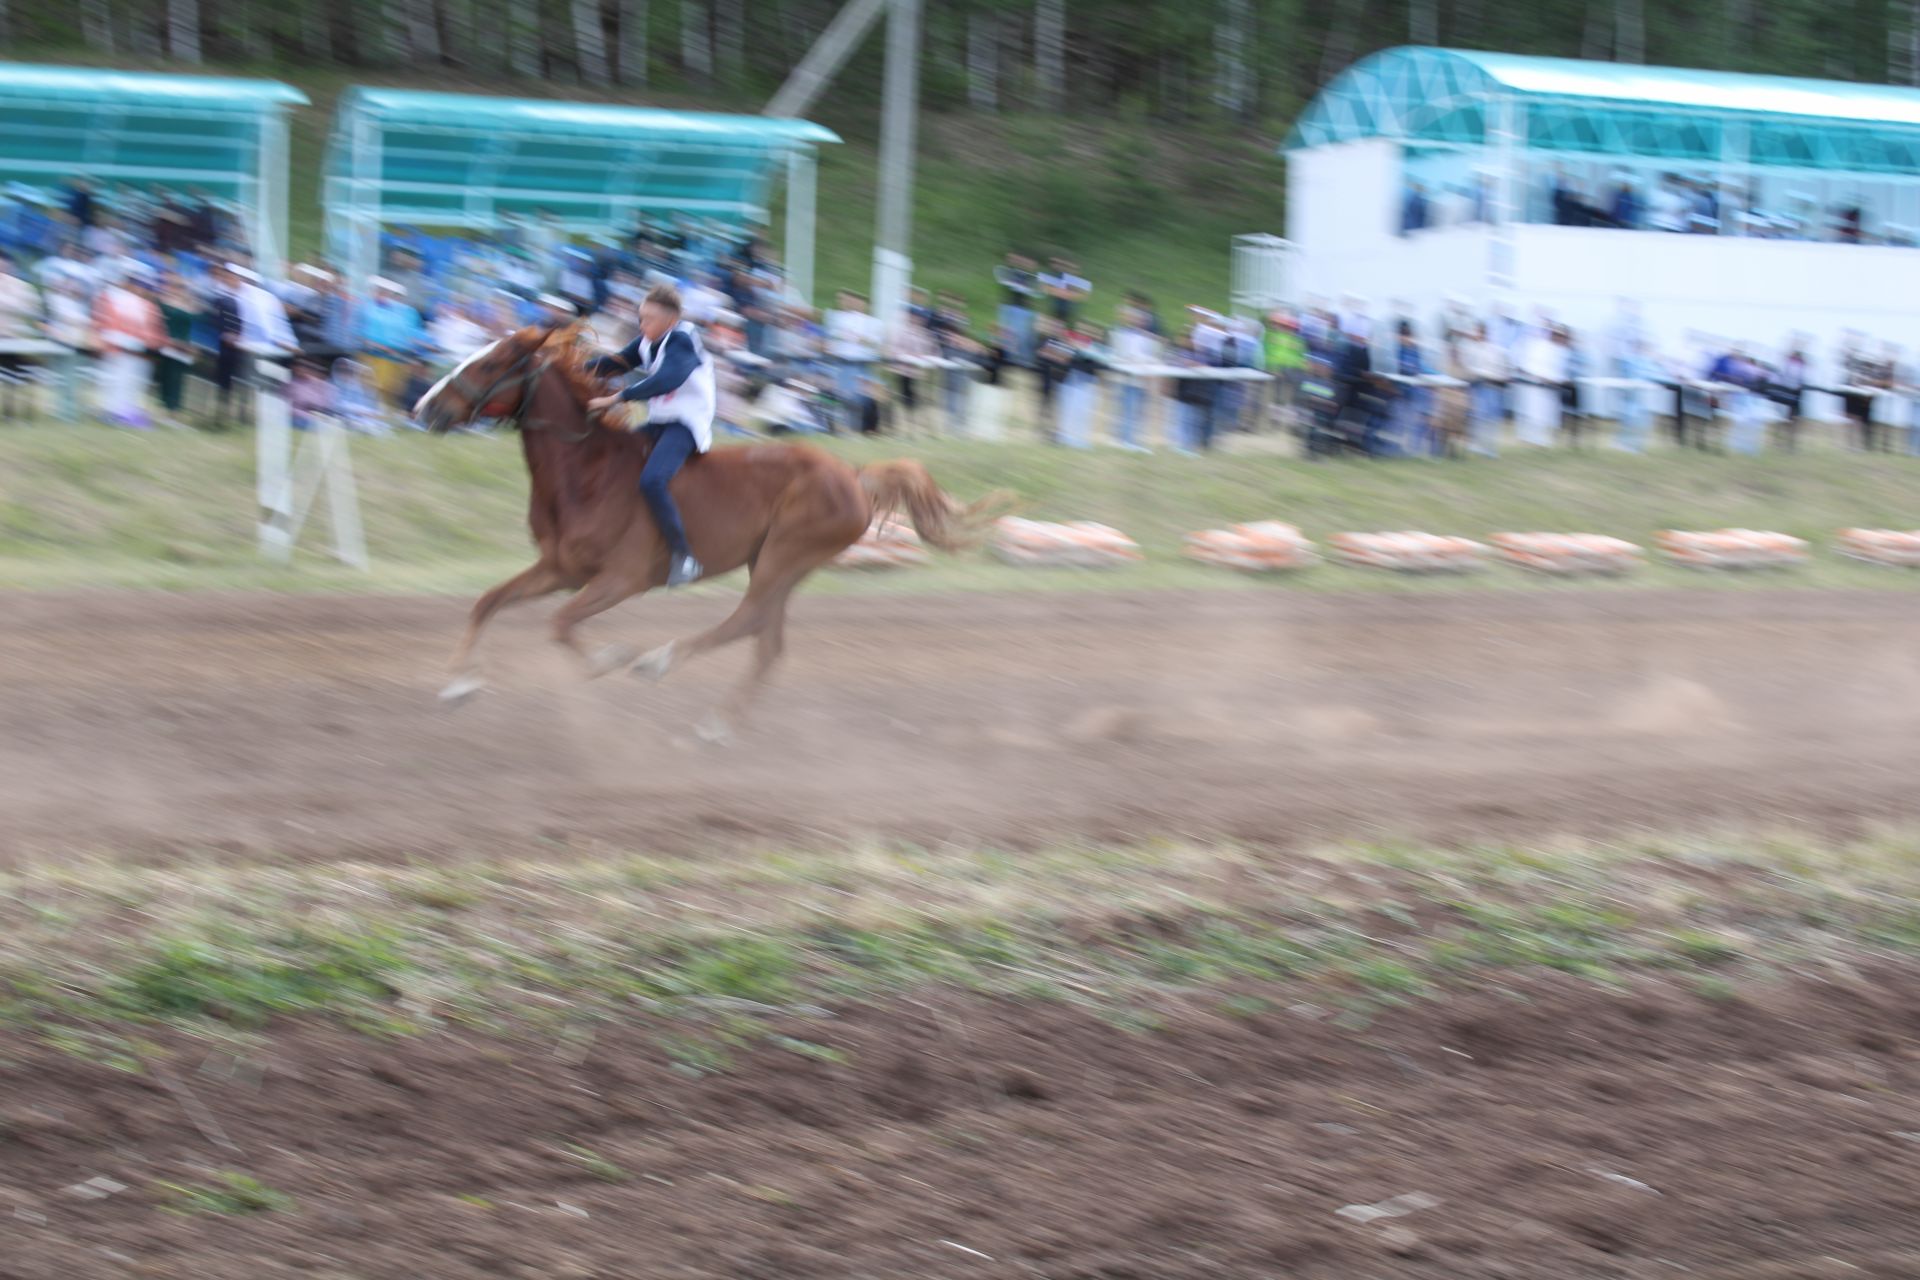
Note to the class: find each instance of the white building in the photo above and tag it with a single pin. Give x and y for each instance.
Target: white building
(1421, 175)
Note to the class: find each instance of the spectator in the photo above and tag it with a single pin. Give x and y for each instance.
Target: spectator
(456, 334)
(178, 314)
(909, 350)
(1633, 413)
(785, 406)
(1483, 366)
(1066, 289)
(1860, 374)
(309, 396)
(869, 412)
(1670, 208)
(1412, 403)
(957, 347)
(129, 327)
(1623, 210)
(1132, 344)
(1746, 407)
(1194, 396)
(356, 398)
(1788, 390)
(1285, 359)
(229, 327)
(1020, 286)
(19, 321)
(69, 326)
(1079, 388)
(853, 342)
(1542, 375)
(390, 333)
(1413, 209)
(80, 203)
(1052, 357)
(334, 331)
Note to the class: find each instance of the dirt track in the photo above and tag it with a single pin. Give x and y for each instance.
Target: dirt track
(1573, 1132)
(156, 726)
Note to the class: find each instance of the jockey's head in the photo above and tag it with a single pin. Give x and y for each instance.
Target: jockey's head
(659, 312)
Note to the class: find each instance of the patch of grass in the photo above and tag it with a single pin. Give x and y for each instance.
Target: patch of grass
(245, 978)
(597, 1165)
(229, 1193)
(175, 512)
(559, 946)
(808, 1049)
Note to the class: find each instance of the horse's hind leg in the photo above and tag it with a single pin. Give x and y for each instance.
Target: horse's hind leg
(539, 580)
(601, 593)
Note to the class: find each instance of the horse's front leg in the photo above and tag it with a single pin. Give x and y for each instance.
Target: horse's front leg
(601, 593)
(542, 579)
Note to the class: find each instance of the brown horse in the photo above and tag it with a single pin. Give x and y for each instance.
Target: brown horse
(781, 510)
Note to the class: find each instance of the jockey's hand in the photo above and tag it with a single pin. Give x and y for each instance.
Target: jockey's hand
(600, 404)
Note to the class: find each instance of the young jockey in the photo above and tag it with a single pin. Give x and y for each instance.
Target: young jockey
(678, 387)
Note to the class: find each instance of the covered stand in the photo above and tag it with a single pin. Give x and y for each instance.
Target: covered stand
(226, 138)
(443, 160)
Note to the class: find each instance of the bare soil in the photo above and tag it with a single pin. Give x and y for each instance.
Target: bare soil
(1557, 1129)
(253, 727)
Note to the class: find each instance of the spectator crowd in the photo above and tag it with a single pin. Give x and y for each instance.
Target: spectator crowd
(146, 307)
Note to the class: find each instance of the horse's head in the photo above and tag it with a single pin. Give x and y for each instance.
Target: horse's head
(493, 382)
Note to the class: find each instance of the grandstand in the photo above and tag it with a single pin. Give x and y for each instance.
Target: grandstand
(1420, 174)
(224, 137)
(462, 161)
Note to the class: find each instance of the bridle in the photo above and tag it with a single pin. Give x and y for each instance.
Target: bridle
(529, 374)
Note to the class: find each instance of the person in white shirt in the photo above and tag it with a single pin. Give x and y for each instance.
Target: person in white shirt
(1483, 365)
(1131, 343)
(681, 394)
(1543, 367)
(1670, 207)
(853, 344)
(1066, 288)
(455, 333)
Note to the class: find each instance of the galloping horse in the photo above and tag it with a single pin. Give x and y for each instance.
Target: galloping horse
(782, 510)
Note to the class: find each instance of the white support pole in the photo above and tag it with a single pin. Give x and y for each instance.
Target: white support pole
(900, 100)
(800, 223)
(1509, 205)
(271, 244)
(366, 205)
(1733, 156)
(829, 53)
(273, 447)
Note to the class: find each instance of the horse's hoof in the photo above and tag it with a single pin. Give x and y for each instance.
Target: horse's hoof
(610, 659)
(656, 664)
(462, 688)
(714, 730)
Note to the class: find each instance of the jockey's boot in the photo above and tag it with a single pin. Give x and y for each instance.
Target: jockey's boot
(685, 569)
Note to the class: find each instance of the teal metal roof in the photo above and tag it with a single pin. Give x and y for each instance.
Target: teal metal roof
(400, 108)
(448, 159)
(144, 130)
(96, 87)
(1448, 96)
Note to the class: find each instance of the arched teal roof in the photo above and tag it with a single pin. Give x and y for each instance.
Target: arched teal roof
(462, 159)
(1448, 97)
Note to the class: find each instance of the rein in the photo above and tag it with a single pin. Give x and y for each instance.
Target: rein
(529, 375)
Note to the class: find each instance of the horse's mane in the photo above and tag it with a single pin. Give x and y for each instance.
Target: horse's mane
(571, 347)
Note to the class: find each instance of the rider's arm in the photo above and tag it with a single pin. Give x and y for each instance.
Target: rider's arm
(618, 362)
(677, 363)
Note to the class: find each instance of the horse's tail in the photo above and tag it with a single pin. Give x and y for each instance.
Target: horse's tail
(938, 517)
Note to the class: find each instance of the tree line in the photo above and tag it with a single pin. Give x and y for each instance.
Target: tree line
(1243, 60)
